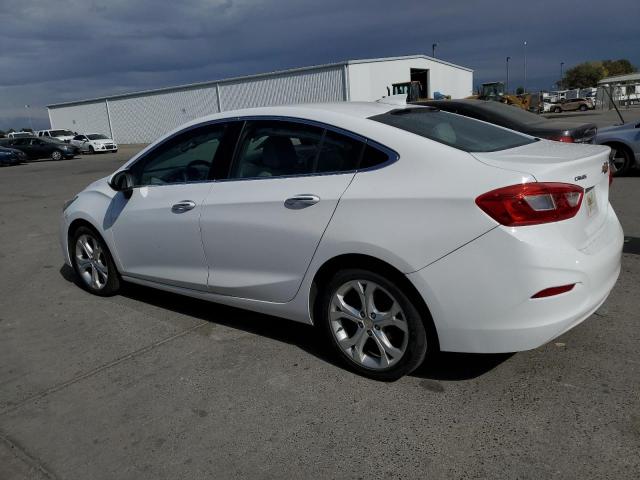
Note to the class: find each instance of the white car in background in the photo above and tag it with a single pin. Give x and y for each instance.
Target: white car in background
(94, 143)
(395, 229)
(62, 135)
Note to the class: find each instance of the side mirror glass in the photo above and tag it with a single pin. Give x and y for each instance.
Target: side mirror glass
(122, 182)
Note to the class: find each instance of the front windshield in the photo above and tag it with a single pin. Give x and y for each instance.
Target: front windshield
(61, 133)
(97, 136)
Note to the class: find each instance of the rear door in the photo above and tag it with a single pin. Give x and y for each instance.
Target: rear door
(261, 226)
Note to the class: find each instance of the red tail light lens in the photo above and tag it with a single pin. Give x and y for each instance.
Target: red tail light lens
(532, 203)
(550, 292)
(563, 138)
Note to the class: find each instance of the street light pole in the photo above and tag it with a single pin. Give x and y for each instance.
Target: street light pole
(525, 67)
(507, 86)
(560, 83)
(433, 49)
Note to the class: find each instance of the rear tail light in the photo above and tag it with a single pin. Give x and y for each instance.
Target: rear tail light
(532, 203)
(563, 139)
(550, 292)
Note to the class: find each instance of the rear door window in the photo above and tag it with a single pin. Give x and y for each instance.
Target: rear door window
(454, 130)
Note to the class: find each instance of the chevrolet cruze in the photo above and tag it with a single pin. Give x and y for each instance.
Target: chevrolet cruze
(397, 230)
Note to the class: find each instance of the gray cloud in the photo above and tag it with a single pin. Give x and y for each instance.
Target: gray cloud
(53, 51)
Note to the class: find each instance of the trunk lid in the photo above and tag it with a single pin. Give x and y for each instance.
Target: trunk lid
(577, 164)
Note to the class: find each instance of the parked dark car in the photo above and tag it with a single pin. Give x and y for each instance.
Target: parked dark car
(36, 147)
(515, 118)
(11, 156)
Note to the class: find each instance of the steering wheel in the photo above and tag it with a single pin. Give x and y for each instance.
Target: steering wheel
(189, 172)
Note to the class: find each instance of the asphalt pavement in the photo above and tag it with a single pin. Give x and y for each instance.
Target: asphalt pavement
(150, 385)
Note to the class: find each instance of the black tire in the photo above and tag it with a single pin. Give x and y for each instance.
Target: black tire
(557, 110)
(583, 108)
(416, 344)
(622, 160)
(57, 155)
(112, 283)
(91, 150)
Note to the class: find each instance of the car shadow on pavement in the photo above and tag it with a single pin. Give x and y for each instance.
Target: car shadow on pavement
(439, 366)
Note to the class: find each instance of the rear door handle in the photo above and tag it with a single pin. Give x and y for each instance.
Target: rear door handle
(183, 206)
(301, 201)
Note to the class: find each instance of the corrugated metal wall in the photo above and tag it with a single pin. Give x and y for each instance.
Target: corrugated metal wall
(145, 117)
(86, 117)
(318, 85)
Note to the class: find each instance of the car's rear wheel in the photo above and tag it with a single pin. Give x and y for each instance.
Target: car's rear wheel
(93, 263)
(56, 155)
(583, 108)
(372, 325)
(557, 110)
(621, 159)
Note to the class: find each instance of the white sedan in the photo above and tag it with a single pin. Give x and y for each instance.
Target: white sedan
(94, 143)
(397, 230)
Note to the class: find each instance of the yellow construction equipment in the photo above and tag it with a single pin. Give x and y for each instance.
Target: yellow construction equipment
(495, 91)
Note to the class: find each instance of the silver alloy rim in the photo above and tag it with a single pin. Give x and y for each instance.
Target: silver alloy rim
(618, 159)
(57, 155)
(368, 324)
(91, 262)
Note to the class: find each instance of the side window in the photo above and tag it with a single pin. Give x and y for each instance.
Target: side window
(78, 137)
(338, 153)
(372, 157)
(275, 149)
(185, 158)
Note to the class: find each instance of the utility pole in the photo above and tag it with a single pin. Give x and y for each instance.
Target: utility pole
(525, 67)
(433, 49)
(561, 82)
(507, 86)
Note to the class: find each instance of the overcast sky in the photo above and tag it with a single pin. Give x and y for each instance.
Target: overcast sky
(59, 50)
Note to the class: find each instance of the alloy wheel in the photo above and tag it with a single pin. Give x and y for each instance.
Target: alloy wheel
(91, 262)
(369, 324)
(619, 160)
(56, 155)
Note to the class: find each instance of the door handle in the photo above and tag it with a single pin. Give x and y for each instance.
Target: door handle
(301, 201)
(183, 206)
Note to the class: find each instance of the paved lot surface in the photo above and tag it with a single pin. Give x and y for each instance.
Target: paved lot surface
(148, 385)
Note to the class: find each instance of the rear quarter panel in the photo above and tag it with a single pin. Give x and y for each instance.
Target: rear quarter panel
(416, 210)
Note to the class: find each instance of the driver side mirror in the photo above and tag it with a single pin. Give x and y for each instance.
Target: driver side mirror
(123, 182)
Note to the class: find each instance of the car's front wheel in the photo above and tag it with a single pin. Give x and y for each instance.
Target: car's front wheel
(583, 108)
(56, 155)
(557, 110)
(371, 324)
(93, 263)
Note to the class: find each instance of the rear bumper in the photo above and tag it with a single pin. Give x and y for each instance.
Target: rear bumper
(480, 295)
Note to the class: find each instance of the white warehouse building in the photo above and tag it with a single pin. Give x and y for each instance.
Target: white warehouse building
(142, 117)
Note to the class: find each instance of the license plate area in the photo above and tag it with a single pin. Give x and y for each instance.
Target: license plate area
(591, 201)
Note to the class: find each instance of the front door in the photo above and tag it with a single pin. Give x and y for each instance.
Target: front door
(156, 231)
(262, 225)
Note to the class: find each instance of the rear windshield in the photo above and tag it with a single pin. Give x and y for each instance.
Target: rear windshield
(454, 130)
(60, 133)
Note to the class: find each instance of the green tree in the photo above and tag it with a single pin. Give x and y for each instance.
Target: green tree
(621, 66)
(584, 75)
(519, 90)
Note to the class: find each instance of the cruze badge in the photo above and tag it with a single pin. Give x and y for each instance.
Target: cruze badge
(580, 177)
(605, 167)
